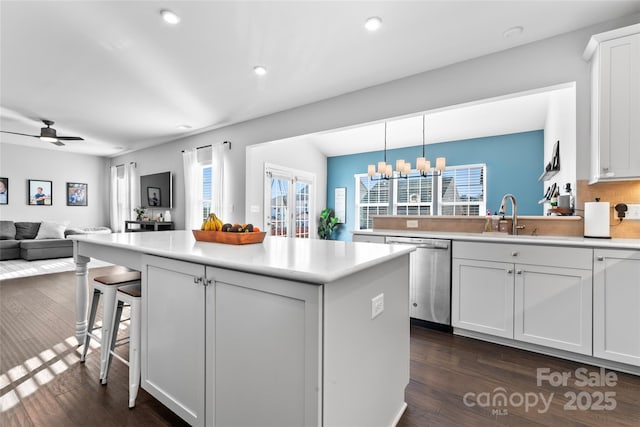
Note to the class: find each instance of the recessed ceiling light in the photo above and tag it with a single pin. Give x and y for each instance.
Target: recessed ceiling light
(260, 70)
(169, 17)
(373, 23)
(512, 32)
(184, 127)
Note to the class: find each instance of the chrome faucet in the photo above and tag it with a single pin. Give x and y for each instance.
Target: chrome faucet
(514, 207)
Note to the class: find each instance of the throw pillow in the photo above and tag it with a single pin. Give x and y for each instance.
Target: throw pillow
(7, 230)
(51, 230)
(26, 230)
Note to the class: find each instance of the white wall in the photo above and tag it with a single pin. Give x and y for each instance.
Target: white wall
(560, 126)
(554, 61)
(20, 164)
(296, 153)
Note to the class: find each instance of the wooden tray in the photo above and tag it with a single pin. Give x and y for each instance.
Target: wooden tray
(228, 237)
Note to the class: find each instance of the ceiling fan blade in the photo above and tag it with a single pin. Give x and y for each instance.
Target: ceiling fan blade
(70, 138)
(23, 134)
(58, 143)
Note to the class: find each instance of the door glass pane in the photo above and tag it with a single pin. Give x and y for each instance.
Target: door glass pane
(302, 218)
(279, 206)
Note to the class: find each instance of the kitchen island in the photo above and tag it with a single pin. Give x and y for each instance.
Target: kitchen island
(286, 332)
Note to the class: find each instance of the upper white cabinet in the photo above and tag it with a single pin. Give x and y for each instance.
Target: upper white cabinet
(616, 296)
(615, 104)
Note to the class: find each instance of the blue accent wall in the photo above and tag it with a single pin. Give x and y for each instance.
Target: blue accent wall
(514, 163)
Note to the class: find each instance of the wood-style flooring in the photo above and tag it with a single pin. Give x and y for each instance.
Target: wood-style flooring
(42, 382)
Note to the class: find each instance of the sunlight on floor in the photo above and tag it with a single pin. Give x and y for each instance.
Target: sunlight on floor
(38, 371)
(13, 269)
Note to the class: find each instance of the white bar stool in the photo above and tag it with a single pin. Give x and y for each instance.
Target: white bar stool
(128, 294)
(107, 287)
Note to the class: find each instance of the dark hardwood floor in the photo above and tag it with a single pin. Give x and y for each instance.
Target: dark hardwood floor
(42, 382)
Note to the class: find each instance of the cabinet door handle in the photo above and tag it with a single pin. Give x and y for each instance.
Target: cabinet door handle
(415, 304)
(208, 282)
(600, 258)
(518, 271)
(514, 253)
(509, 271)
(197, 280)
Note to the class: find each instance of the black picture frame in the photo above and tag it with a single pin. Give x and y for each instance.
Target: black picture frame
(153, 197)
(4, 191)
(39, 192)
(77, 193)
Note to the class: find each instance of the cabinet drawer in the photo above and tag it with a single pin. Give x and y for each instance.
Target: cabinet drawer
(555, 256)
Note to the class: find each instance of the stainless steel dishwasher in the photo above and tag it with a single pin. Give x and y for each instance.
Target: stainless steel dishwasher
(430, 283)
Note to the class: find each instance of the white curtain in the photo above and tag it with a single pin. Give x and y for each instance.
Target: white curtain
(133, 185)
(115, 222)
(192, 189)
(125, 195)
(217, 179)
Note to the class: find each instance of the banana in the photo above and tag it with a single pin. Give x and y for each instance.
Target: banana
(212, 223)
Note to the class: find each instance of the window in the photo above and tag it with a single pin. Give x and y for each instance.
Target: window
(372, 198)
(463, 190)
(460, 190)
(414, 195)
(289, 202)
(206, 191)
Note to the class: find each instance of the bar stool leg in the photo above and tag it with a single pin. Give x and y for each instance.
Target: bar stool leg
(92, 319)
(114, 337)
(134, 352)
(108, 304)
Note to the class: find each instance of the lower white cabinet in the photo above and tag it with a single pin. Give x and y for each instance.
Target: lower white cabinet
(616, 297)
(535, 294)
(553, 307)
(482, 296)
(230, 348)
(173, 336)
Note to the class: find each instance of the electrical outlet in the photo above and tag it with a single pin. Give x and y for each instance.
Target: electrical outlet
(377, 306)
(633, 211)
(412, 223)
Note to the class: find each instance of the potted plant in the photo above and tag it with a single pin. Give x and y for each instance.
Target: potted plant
(327, 224)
(139, 212)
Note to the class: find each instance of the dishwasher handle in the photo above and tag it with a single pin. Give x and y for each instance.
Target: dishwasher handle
(420, 242)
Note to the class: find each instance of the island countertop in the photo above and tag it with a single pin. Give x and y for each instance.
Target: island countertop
(306, 260)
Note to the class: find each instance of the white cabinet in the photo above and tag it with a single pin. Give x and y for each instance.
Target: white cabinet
(173, 336)
(616, 298)
(615, 104)
(482, 296)
(553, 307)
(535, 294)
(266, 337)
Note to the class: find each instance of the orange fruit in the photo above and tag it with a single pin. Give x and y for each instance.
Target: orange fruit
(256, 229)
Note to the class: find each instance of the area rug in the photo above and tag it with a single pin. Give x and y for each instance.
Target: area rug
(14, 268)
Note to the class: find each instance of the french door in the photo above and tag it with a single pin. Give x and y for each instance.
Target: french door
(289, 202)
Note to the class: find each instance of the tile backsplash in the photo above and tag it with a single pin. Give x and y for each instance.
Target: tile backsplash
(614, 193)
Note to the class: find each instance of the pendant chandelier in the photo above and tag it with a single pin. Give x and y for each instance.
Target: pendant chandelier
(403, 169)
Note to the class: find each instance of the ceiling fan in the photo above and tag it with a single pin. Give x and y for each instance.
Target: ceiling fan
(49, 134)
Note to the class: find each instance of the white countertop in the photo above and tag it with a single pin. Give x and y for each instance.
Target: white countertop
(307, 260)
(507, 238)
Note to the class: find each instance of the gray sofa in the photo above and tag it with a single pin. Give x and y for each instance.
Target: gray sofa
(21, 240)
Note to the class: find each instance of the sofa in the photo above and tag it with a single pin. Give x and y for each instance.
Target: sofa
(39, 240)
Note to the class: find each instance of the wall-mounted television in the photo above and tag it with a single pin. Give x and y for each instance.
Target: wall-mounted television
(156, 190)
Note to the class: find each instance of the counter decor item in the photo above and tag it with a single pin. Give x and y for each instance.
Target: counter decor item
(139, 212)
(229, 237)
(596, 219)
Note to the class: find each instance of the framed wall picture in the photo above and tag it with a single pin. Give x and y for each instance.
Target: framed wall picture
(76, 194)
(39, 192)
(153, 196)
(4, 191)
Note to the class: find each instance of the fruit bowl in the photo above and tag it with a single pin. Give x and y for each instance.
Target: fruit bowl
(228, 237)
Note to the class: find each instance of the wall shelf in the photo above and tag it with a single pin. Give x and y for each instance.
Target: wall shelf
(546, 175)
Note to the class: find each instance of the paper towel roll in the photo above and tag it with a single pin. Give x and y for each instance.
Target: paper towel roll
(596, 219)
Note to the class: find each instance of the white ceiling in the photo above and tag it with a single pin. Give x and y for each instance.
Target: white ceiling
(117, 75)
